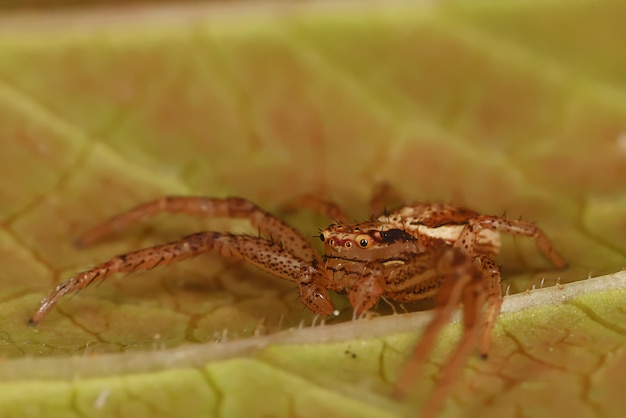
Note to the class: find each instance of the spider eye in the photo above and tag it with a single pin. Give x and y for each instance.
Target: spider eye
(322, 237)
(348, 244)
(363, 240)
(331, 242)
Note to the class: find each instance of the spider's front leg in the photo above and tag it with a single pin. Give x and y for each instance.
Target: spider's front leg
(262, 253)
(368, 289)
(461, 281)
(416, 279)
(287, 254)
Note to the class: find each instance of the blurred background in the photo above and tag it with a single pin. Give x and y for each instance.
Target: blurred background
(78, 4)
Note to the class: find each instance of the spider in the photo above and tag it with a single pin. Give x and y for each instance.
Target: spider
(416, 252)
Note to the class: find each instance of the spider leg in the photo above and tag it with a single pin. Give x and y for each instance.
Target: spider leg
(457, 272)
(262, 253)
(414, 280)
(457, 278)
(317, 205)
(474, 298)
(368, 289)
(469, 235)
(231, 207)
(493, 302)
(383, 194)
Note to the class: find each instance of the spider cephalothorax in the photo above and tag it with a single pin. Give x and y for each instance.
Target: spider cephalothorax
(367, 242)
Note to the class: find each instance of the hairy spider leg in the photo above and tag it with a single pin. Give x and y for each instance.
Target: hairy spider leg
(479, 289)
(257, 251)
(415, 280)
(460, 278)
(368, 289)
(290, 257)
(383, 193)
(473, 299)
(230, 207)
(318, 205)
(493, 302)
(467, 239)
(467, 243)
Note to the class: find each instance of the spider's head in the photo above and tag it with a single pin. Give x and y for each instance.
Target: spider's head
(368, 241)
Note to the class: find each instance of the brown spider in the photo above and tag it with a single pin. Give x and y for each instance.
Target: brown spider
(419, 251)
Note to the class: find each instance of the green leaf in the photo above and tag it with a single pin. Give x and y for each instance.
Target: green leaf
(479, 103)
